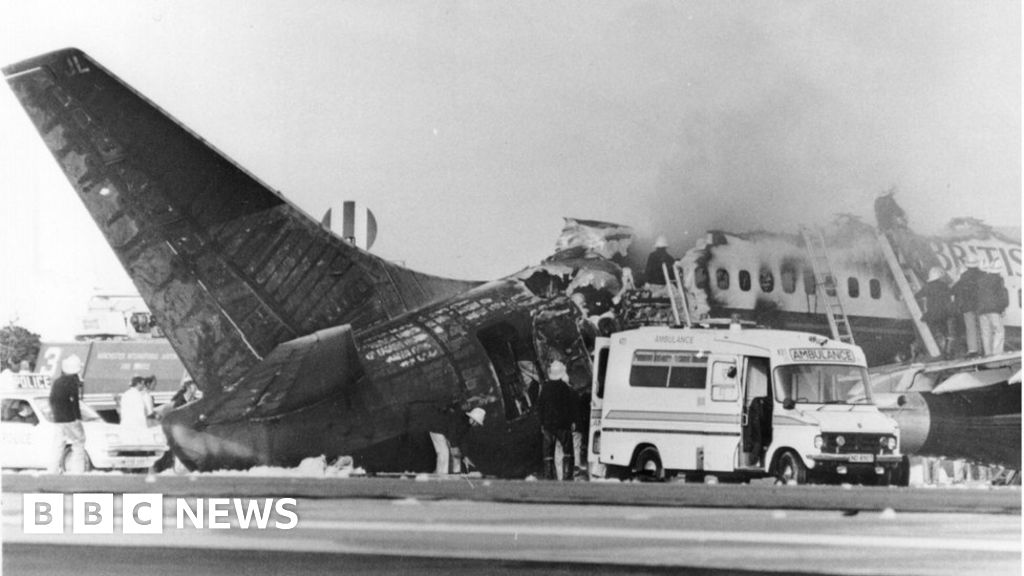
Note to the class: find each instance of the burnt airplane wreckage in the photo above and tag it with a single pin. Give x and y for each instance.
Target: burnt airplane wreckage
(306, 345)
(302, 343)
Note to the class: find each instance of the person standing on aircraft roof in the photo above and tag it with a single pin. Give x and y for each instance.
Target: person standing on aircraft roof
(965, 294)
(937, 304)
(888, 214)
(991, 303)
(67, 415)
(911, 250)
(660, 256)
(449, 435)
(557, 408)
(136, 404)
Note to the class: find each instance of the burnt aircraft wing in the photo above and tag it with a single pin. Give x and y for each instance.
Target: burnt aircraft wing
(229, 268)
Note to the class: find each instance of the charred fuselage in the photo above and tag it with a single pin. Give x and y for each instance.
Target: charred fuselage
(303, 344)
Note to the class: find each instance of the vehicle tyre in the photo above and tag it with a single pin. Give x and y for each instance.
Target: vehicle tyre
(67, 459)
(790, 469)
(647, 466)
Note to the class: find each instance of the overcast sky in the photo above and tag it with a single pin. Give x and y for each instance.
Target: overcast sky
(471, 128)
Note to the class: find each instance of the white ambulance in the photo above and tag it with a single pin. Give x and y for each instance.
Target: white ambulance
(737, 403)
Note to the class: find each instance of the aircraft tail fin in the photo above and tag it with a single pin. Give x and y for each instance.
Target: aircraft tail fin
(228, 267)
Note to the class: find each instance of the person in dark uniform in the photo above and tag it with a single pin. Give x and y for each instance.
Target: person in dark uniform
(993, 300)
(557, 407)
(965, 296)
(888, 214)
(448, 435)
(660, 256)
(937, 305)
(759, 421)
(67, 415)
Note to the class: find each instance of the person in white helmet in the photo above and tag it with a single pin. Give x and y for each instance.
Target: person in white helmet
(449, 435)
(653, 273)
(67, 415)
(557, 406)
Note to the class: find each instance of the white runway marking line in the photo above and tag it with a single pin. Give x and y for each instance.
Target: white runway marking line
(847, 541)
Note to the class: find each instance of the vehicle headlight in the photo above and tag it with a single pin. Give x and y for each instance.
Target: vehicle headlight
(888, 442)
(818, 442)
(840, 441)
(596, 448)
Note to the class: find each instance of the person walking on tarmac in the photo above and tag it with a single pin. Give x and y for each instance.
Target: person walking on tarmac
(992, 302)
(557, 407)
(965, 294)
(937, 304)
(67, 415)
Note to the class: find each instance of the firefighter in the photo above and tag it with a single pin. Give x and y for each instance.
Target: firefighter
(937, 302)
(653, 273)
(965, 294)
(992, 301)
(557, 407)
(449, 436)
(67, 415)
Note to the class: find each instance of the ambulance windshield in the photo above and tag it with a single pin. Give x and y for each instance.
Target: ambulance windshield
(822, 384)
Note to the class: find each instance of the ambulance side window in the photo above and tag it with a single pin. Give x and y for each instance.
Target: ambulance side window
(668, 369)
(723, 382)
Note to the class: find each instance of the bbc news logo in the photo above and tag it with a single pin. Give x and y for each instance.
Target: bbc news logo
(144, 513)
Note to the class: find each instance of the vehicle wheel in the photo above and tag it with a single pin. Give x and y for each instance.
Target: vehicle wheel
(790, 469)
(66, 459)
(647, 466)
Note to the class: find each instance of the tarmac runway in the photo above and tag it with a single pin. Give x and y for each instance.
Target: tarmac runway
(380, 526)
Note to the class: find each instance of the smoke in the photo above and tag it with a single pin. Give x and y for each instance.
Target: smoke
(771, 119)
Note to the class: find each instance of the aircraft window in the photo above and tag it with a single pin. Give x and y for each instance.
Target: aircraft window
(767, 281)
(788, 278)
(853, 287)
(809, 282)
(875, 288)
(659, 369)
(744, 280)
(722, 278)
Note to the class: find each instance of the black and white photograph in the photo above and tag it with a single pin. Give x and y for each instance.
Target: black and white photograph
(448, 287)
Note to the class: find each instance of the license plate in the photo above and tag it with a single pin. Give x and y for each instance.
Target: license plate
(862, 457)
(134, 462)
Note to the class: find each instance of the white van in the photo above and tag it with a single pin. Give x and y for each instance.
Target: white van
(737, 402)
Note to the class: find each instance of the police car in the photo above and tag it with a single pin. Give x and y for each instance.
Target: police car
(27, 431)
